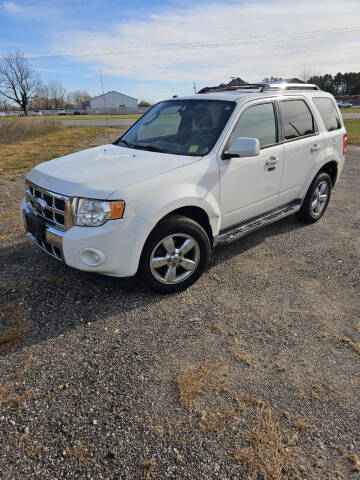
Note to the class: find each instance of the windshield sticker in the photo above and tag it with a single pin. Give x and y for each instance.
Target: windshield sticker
(193, 148)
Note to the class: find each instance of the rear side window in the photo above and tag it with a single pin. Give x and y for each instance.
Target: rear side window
(256, 122)
(297, 119)
(328, 113)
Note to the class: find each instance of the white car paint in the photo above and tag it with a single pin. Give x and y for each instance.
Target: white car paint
(155, 184)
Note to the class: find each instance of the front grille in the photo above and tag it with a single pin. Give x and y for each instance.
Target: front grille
(48, 247)
(53, 207)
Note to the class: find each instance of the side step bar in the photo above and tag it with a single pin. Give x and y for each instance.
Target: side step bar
(242, 229)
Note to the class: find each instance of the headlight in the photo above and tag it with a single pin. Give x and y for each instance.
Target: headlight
(92, 213)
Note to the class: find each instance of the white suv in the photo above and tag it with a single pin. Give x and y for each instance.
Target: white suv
(192, 173)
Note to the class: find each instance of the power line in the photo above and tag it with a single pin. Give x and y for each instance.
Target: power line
(240, 41)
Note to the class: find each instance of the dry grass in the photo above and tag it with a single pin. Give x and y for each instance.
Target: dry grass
(30, 449)
(148, 466)
(9, 395)
(238, 353)
(217, 328)
(17, 129)
(355, 460)
(353, 345)
(193, 383)
(216, 420)
(18, 328)
(301, 426)
(76, 455)
(20, 157)
(265, 456)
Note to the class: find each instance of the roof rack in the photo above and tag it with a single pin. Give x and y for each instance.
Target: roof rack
(261, 87)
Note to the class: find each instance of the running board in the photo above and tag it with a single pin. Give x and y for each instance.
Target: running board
(249, 226)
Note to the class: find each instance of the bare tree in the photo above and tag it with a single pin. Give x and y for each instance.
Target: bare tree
(75, 99)
(56, 94)
(18, 82)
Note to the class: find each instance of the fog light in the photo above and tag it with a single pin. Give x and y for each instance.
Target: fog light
(92, 257)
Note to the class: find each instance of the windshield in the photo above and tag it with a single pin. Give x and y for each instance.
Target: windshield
(181, 127)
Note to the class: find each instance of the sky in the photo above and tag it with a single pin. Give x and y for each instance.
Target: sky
(153, 49)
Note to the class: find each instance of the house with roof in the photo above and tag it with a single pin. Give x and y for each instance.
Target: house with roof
(111, 101)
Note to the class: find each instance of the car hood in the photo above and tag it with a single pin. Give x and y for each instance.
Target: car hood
(103, 171)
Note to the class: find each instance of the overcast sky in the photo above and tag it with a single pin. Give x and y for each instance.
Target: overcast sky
(154, 49)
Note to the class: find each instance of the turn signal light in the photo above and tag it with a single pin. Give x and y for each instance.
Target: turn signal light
(116, 209)
(344, 143)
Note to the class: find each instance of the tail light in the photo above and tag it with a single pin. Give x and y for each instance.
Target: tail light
(344, 143)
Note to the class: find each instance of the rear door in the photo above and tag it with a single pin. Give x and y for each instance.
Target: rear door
(303, 144)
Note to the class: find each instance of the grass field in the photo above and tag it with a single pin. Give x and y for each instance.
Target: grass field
(22, 156)
(350, 110)
(353, 130)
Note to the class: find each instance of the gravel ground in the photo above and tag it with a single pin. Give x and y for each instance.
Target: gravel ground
(102, 363)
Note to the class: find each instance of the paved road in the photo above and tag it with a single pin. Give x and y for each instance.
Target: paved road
(348, 116)
(127, 122)
(112, 122)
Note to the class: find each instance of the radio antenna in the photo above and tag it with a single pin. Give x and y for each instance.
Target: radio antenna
(106, 116)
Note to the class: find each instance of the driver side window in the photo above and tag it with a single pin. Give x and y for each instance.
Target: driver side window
(258, 122)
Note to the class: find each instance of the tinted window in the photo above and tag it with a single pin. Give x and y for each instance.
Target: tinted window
(256, 122)
(297, 119)
(181, 127)
(328, 113)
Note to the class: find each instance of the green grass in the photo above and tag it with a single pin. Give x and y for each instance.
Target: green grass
(350, 110)
(353, 130)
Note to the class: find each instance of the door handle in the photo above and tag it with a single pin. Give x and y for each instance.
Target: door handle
(272, 161)
(315, 147)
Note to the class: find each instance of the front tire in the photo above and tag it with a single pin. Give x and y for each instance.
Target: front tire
(316, 200)
(175, 255)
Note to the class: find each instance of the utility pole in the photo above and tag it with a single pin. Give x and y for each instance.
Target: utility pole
(194, 87)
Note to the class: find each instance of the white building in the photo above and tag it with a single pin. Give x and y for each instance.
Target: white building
(113, 102)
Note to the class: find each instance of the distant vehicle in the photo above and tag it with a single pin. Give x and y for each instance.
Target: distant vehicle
(77, 112)
(343, 104)
(35, 113)
(2, 114)
(61, 111)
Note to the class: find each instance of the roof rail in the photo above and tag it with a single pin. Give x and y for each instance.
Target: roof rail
(288, 86)
(261, 87)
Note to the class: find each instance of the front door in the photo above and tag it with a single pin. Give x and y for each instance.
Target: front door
(250, 186)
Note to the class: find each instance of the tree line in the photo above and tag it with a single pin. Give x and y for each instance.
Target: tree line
(339, 84)
(20, 85)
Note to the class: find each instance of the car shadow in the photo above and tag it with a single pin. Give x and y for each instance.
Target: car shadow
(57, 299)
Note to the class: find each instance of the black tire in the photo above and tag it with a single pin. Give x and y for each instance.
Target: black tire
(307, 214)
(181, 228)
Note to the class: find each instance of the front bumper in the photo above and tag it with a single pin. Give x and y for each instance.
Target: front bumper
(53, 241)
(120, 241)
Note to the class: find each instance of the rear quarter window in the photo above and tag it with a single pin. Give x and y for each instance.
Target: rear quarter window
(328, 112)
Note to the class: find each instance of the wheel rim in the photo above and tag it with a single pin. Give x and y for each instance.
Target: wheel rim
(175, 258)
(320, 198)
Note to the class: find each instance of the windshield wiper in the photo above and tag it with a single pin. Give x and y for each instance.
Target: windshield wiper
(130, 145)
(150, 148)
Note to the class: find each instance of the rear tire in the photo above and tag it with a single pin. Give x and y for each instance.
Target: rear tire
(316, 200)
(175, 255)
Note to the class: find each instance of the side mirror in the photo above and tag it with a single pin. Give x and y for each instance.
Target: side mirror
(242, 147)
